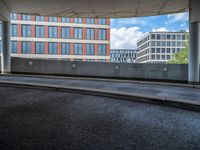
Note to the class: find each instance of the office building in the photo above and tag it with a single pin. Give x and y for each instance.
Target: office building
(122, 55)
(83, 39)
(159, 47)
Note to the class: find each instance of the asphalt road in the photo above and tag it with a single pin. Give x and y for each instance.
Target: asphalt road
(50, 120)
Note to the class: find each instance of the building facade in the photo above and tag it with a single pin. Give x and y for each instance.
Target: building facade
(122, 55)
(83, 39)
(159, 47)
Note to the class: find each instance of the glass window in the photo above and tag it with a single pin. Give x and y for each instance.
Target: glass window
(90, 34)
(168, 57)
(39, 48)
(158, 57)
(26, 17)
(153, 50)
(158, 50)
(90, 20)
(158, 43)
(77, 20)
(52, 48)
(158, 36)
(153, 36)
(102, 21)
(173, 43)
(78, 49)
(168, 37)
(26, 30)
(174, 50)
(26, 47)
(39, 31)
(52, 19)
(178, 43)
(65, 32)
(183, 37)
(14, 30)
(13, 16)
(13, 47)
(102, 34)
(65, 49)
(178, 37)
(168, 50)
(90, 49)
(39, 18)
(153, 57)
(163, 43)
(163, 50)
(153, 43)
(65, 20)
(163, 36)
(78, 33)
(53, 32)
(102, 49)
(163, 57)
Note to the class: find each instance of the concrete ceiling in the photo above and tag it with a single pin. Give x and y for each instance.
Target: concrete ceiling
(92, 8)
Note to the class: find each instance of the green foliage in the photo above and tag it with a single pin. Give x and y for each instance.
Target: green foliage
(182, 56)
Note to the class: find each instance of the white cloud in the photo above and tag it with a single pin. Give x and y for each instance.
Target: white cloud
(183, 25)
(162, 29)
(180, 17)
(125, 37)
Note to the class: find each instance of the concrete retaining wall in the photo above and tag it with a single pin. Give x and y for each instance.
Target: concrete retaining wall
(112, 70)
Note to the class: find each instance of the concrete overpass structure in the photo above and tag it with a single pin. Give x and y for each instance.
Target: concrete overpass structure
(105, 8)
(43, 112)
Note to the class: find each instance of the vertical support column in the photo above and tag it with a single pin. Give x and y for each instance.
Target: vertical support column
(5, 55)
(194, 43)
(194, 53)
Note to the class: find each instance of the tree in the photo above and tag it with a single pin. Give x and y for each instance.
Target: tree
(182, 56)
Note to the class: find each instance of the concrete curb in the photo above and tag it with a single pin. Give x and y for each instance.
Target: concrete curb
(106, 80)
(180, 103)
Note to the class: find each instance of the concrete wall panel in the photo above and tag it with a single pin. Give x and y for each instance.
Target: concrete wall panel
(96, 69)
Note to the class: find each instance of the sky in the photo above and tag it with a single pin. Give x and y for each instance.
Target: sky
(125, 32)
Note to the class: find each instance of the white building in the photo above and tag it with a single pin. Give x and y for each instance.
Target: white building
(159, 47)
(123, 55)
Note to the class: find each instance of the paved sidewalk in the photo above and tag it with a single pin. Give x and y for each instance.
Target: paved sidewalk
(163, 93)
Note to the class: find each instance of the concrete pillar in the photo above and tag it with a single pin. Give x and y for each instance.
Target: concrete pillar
(194, 42)
(5, 55)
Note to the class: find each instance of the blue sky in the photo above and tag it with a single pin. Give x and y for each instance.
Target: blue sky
(125, 32)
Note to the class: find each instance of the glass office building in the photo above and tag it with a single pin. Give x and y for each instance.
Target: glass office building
(85, 39)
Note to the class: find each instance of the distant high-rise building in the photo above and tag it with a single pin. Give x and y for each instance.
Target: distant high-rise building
(85, 39)
(123, 55)
(159, 47)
